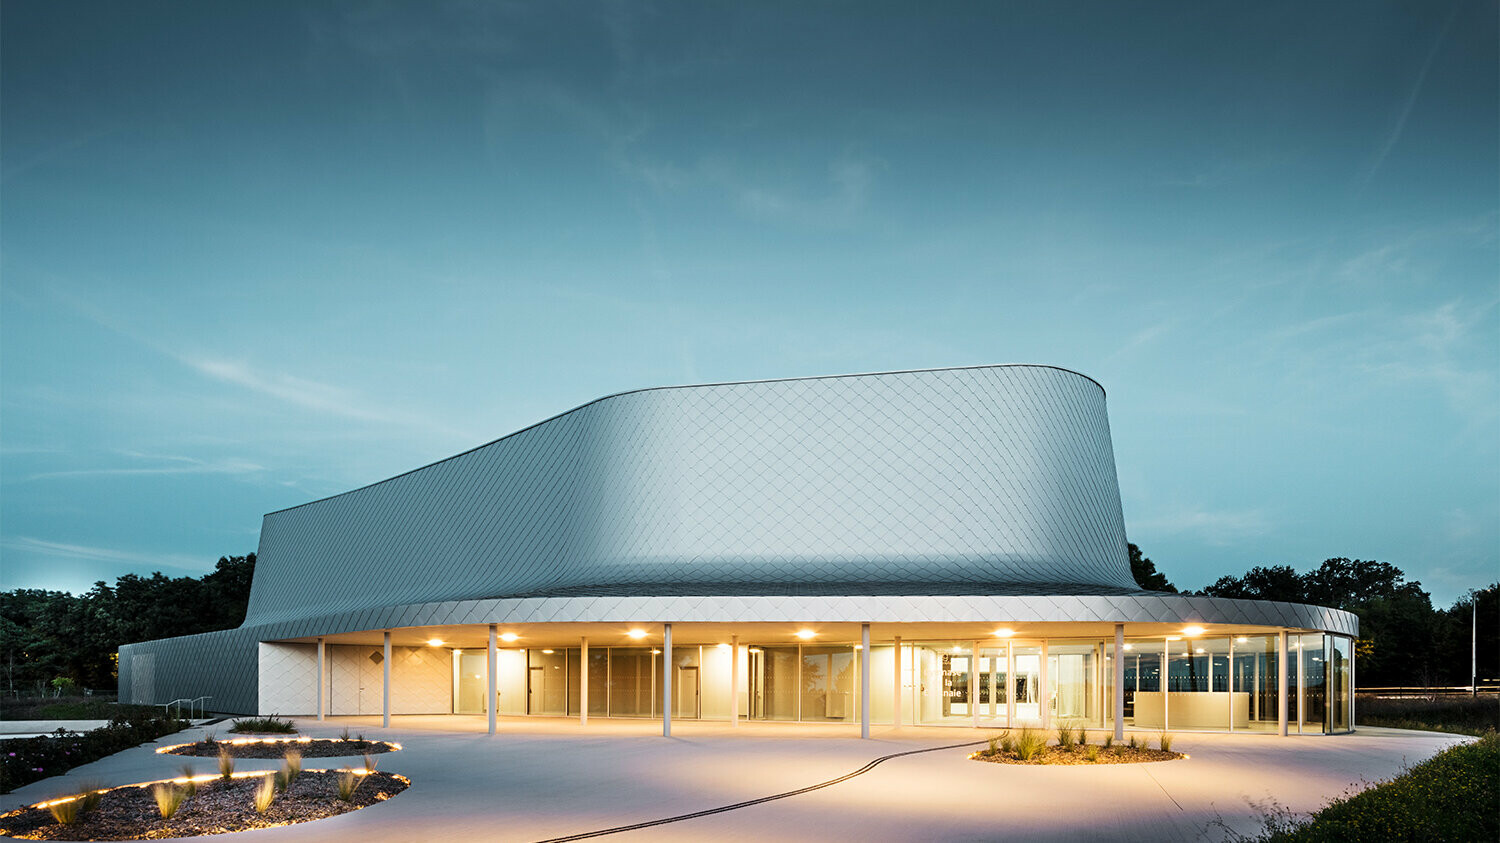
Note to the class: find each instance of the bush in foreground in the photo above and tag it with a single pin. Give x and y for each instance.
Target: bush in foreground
(272, 724)
(25, 760)
(1458, 715)
(1455, 795)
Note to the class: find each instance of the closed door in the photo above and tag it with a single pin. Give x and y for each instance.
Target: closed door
(685, 689)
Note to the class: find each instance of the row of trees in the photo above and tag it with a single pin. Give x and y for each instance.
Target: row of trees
(46, 635)
(1403, 640)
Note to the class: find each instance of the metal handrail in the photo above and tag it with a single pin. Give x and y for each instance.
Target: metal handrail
(199, 703)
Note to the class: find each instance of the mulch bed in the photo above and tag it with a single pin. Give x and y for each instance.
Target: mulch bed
(1075, 755)
(273, 748)
(129, 812)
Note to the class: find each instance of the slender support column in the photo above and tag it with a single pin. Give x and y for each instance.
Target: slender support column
(322, 672)
(896, 700)
(491, 657)
(385, 696)
(666, 681)
(1166, 675)
(974, 684)
(1228, 678)
(864, 681)
(1353, 682)
(1044, 695)
(583, 683)
(1281, 683)
(1010, 685)
(734, 681)
(1118, 696)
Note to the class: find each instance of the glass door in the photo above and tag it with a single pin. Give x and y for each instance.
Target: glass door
(1027, 683)
(994, 685)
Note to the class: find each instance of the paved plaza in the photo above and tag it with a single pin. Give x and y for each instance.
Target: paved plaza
(541, 779)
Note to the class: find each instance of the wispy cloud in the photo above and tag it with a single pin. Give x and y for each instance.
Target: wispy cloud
(1217, 527)
(1393, 136)
(62, 550)
(176, 465)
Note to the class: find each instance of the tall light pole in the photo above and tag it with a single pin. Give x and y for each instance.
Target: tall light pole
(1474, 644)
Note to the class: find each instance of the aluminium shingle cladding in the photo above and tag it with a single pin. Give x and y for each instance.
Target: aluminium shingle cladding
(977, 480)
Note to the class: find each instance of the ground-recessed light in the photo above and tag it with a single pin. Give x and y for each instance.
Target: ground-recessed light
(434, 642)
(509, 637)
(1192, 630)
(1004, 632)
(805, 634)
(637, 634)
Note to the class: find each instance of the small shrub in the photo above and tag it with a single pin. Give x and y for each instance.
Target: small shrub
(994, 745)
(169, 797)
(1083, 736)
(1164, 740)
(1091, 752)
(1065, 737)
(264, 724)
(1030, 744)
(1007, 743)
(212, 738)
(348, 782)
(1134, 742)
(226, 764)
(369, 763)
(67, 811)
(190, 786)
(344, 735)
(292, 763)
(1109, 740)
(265, 794)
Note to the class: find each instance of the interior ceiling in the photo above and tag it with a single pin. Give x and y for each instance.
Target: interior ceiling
(476, 636)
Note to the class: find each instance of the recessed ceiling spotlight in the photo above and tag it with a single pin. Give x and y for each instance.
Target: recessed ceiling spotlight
(1174, 637)
(548, 652)
(434, 642)
(1004, 632)
(1192, 630)
(805, 634)
(637, 633)
(723, 646)
(1242, 640)
(1130, 646)
(509, 637)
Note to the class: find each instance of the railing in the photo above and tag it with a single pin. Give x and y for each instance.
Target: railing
(1486, 687)
(198, 703)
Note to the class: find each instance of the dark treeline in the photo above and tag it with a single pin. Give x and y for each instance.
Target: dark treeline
(47, 635)
(1403, 640)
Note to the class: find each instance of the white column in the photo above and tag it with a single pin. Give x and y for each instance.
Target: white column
(1301, 687)
(385, 697)
(896, 701)
(974, 684)
(734, 681)
(322, 672)
(583, 683)
(1044, 695)
(864, 681)
(1229, 678)
(491, 659)
(1166, 696)
(1119, 692)
(1354, 683)
(666, 681)
(1281, 683)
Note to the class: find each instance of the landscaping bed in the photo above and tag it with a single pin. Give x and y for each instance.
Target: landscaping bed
(25, 760)
(215, 806)
(277, 747)
(1029, 746)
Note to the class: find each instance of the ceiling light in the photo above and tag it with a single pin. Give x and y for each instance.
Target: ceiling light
(1130, 646)
(723, 646)
(1192, 630)
(805, 634)
(1242, 640)
(434, 642)
(637, 634)
(548, 652)
(509, 637)
(1174, 637)
(656, 652)
(1199, 651)
(1004, 632)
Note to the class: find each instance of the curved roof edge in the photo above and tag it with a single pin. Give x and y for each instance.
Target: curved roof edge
(686, 386)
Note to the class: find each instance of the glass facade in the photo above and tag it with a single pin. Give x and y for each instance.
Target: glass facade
(1176, 683)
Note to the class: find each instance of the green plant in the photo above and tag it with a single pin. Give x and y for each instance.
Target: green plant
(1083, 736)
(369, 763)
(1109, 740)
(226, 764)
(64, 686)
(994, 745)
(344, 735)
(1091, 752)
(1134, 742)
(348, 782)
(67, 811)
(1065, 737)
(291, 765)
(1164, 740)
(272, 724)
(189, 785)
(1030, 744)
(265, 793)
(169, 797)
(1007, 743)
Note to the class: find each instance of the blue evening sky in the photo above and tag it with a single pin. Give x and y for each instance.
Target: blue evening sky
(257, 253)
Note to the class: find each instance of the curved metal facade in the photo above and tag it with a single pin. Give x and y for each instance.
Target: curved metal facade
(987, 480)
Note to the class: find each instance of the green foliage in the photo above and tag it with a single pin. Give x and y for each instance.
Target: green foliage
(1143, 570)
(1164, 740)
(1029, 744)
(64, 685)
(1109, 740)
(31, 759)
(1091, 752)
(1451, 796)
(291, 766)
(1007, 743)
(1083, 736)
(226, 764)
(53, 634)
(271, 724)
(189, 785)
(169, 797)
(1458, 715)
(994, 745)
(1134, 742)
(1065, 737)
(348, 782)
(67, 811)
(265, 794)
